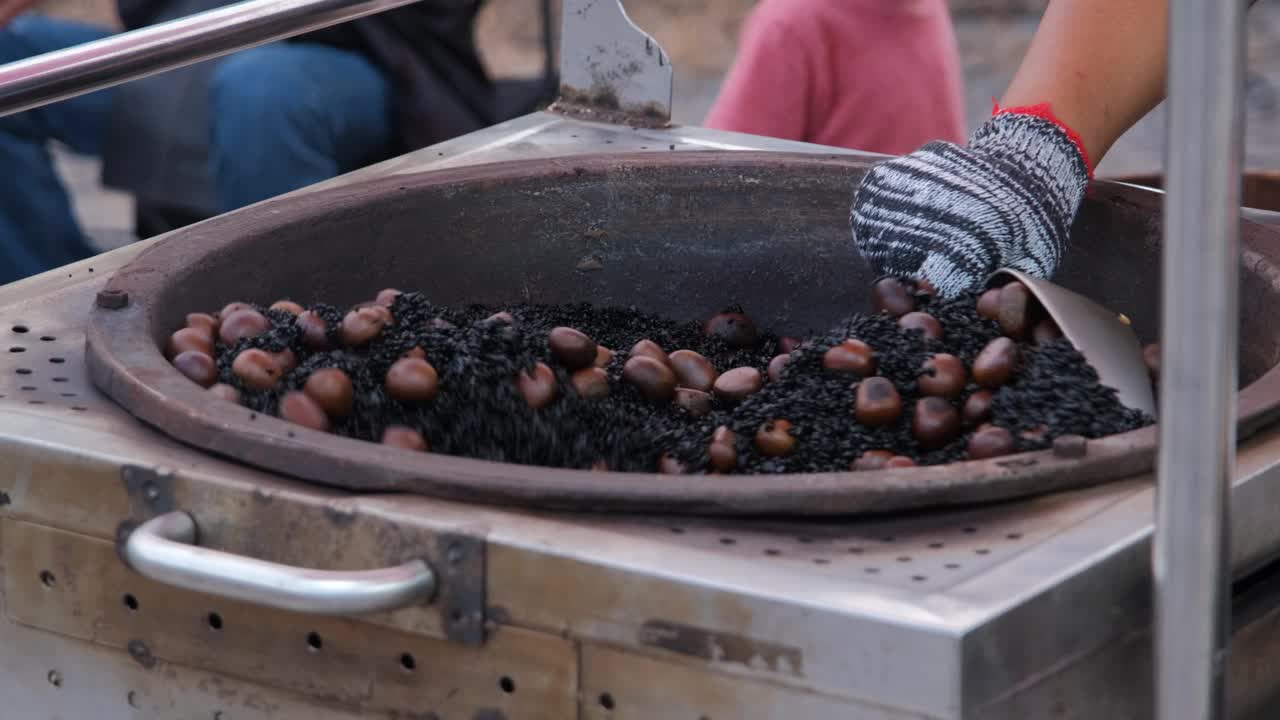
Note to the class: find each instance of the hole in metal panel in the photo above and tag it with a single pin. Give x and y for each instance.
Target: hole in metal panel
(728, 541)
(606, 701)
(28, 388)
(982, 551)
(23, 371)
(507, 684)
(314, 642)
(60, 379)
(57, 360)
(821, 561)
(48, 338)
(772, 552)
(214, 620)
(21, 329)
(17, 349)
(407, 661)
(48, 579)
(130, 601)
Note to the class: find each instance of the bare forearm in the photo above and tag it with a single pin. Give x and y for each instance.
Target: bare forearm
(1100, 64)
(10, 9)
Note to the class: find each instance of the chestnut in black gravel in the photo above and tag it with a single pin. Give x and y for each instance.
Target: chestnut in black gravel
(652, 378)
(977, 408)
(669, 464)
(692, 370)
(927, 324)
(776, 366)
(257, 369)
(877, 402)
(650, 349)
(694, 402)
(892, 296)
(412, 380)
(242, 324)
(189, 338)
(872, 460)
(404, 437)
(197, 366)
(989, 304)
(364, 324)
(571, 348)
(231, 308)
(315, 331)
(738, 384)
(299, 409)
(203, 322)
(935, 422)
(992, 441)
(774, 439)
(787, 344)
(537, 385)
(591, 383)
(332, 390)
(723, 450)
(225, 392)
(501, 317)
(286, 359)
(387, 297)
(604, 356)
(288, 306)
(898, 462)
(852, 356)
(942, 375)
(735, 329)
(994, 366)
(1017, 310)
(1045, 331)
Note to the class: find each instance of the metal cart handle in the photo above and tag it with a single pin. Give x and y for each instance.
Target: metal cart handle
(164, 549)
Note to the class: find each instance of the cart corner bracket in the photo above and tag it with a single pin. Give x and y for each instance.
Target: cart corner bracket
(461, 566)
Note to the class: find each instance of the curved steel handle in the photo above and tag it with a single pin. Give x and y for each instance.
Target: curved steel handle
(163, 549)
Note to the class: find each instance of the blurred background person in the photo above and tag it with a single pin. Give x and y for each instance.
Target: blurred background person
(876, 75)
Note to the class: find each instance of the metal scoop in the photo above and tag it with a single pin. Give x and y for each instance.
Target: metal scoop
(1107, 342)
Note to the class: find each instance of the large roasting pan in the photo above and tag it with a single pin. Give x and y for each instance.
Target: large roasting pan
(681, 234)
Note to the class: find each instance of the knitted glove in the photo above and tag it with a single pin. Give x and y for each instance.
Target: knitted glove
(953, 215)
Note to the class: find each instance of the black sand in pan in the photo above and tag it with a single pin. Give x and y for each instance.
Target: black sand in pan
(479, 413)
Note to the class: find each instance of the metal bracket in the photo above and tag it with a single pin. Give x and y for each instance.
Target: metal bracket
(462, 588)
(611, 70)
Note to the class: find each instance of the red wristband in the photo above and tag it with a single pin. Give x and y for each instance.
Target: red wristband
(1044, 112)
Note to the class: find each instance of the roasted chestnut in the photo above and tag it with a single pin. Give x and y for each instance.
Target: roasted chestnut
(935, 422)
(872, 460)
(898, 462)
(225, 392)
(537, 385)
(288, 306)
(412, 380)
(851, 356)
(571, 348)
(242, 324)
(257, 369)
(892, 296)
(387, 297)
(1045, 332)
(669, 464)
(735, 329)
(197, 366)
(315, 331)
(591, 383)
(1151, 356)
(203, 322)
(787, 344)
(650, 349)
(776, 366)
(737, 384)
(299, 409)
(994, 366)
(652, 378)
(990, 442)
(989, 304)
(723, 450)
(1017, 310)
(404, 437)
(231, 308)
(332, 391)
(942, 375)
(977, 408)
(877, 402)
(604, 356)
(774, 439)
(693, 370)
(189, 338)
(694, 402)
(364, 324)
(927, 324)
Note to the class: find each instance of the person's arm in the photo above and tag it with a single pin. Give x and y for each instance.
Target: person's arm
(10, 9)
(1100, 65)
(952, 215)
(767, 90)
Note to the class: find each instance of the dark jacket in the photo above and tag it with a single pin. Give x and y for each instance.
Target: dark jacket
(427, 49)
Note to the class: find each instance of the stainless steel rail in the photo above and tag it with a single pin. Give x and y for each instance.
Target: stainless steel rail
(1198, 363)
(93, 66)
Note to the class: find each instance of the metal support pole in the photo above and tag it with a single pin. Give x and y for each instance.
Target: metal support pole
(1198, 362)
(84, 68)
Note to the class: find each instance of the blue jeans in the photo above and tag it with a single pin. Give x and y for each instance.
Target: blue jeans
(282, 117)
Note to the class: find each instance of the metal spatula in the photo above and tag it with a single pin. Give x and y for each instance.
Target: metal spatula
(1107, 342)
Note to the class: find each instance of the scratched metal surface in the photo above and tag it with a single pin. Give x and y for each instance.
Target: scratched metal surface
(933, 614)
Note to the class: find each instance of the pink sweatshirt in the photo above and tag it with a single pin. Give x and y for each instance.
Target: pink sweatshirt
(876, 75)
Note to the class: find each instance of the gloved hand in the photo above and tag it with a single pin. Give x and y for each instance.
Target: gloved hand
(953, 215)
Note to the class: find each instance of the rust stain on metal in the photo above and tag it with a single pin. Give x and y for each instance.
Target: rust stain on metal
(600, 103)
(719, 647)
(141, 654)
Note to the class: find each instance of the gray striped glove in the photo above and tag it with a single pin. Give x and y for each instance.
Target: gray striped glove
(953, 215)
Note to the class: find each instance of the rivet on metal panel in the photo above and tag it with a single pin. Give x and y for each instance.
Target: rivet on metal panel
(150, 489)
(55, 678)
(4, 499)
(1070, 446)
(112, 299)
(139, 651)
(462, 588)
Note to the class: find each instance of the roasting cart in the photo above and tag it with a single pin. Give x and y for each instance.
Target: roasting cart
(166, 557)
